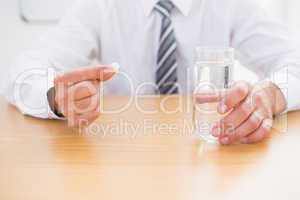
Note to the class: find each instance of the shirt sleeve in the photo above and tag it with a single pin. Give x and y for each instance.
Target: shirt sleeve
(267, 47)
(74, 42)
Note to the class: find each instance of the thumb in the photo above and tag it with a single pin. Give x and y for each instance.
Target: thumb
(99, 73)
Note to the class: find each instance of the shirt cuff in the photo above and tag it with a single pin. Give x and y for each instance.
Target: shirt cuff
(52, 112)
(288, 83)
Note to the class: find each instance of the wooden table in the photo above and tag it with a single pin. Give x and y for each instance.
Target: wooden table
(121, 157)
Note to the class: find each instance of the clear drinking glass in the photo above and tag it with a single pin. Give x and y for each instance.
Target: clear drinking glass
(211, 74)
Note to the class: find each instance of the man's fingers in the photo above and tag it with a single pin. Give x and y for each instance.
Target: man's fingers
(84, 119)
(233, 96)
(248, 127)
(207, 98)
(66, 96)
(98, 73)
(230, 98)
(86, 105)
(234, 119)
(260, 133)
(83, 90)
(82, 106)
(260, 99)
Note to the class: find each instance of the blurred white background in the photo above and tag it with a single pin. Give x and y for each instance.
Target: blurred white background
(17, 35)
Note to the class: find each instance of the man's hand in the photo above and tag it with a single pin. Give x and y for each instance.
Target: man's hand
(77, 94)
(250, 112)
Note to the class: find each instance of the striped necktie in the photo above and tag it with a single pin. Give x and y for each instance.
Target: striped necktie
(166, 74)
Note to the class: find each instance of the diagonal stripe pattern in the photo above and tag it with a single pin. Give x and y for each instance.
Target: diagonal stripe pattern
(166, 74)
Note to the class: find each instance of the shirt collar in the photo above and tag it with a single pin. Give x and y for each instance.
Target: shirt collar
(184, 6)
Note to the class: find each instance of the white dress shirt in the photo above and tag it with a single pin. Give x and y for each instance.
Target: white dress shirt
(127, 32)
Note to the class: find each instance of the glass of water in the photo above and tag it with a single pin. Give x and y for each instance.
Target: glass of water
(210, 75)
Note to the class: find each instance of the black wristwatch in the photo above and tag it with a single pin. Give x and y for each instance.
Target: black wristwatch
(51, 101)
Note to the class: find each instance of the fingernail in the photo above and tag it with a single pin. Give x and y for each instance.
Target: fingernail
(267, 124)
(258, 115)
(223, 108)
(225, 140)
(116, 67)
